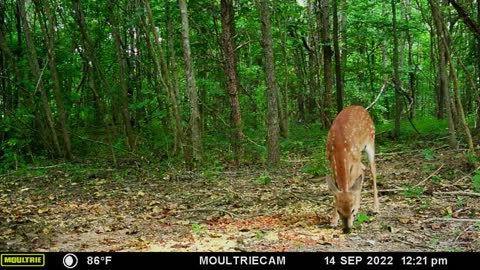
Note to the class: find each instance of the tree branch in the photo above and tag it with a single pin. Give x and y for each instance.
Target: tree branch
(472, 26)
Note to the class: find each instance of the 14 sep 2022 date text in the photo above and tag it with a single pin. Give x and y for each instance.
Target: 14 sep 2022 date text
(355, 260)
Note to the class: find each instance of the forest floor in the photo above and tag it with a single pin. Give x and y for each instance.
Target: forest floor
(426, 204)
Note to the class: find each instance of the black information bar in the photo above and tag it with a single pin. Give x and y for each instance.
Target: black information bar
(242, 260)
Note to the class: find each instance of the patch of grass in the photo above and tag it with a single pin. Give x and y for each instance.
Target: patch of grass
(314, 169)
(425, 205)
(436, 179)
(456, 231)
(198, 229)
(428, 126)
(451, 174)
(459, 202)
(305, 138)
(414, 192)
(318, 165)
(264, 179)
(308, 140)
(434, 240)
(361, 218)
(427, 168)
(471, 159)
(210, 175)
(428, 154)
(476, 181)
(260, 234)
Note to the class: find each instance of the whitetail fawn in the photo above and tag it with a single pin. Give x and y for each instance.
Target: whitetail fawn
(351, 132)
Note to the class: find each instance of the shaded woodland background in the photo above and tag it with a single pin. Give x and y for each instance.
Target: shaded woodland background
(228, 80)
(169, 125)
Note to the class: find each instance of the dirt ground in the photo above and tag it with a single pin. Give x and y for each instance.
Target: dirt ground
(426, 204)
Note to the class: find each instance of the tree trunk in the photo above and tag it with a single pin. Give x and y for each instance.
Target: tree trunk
(343, 34)
(48, 33)
(37, 76)
(438, 92)
(478, 60)
(471, 25)
(396, 76)
(338, 67)
(411, 67)
(92, 68)
(172, 63)
(119, 52)
(273, 150)
(283, 101)
(196, 143)
(312, 69)
(228, 21)
(327, 61)
(301, 87)
(458, 101)
(165, 80)
(443, 71)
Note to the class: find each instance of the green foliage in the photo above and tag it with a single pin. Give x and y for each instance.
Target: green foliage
(361, 218)
(471, 158)
(309, 140)
(414, 192)
(93, 102)
(428, 126)
(476, 181)
(314, 170)
(198, 229)
(426, 168)
(264, 179)
(425, 204)
(459, 202)
(436, 179)
(428, 154)
(260, 234)
(211, 175)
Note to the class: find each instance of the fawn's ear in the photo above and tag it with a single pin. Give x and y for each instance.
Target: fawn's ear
(331, 185)
(357, 186)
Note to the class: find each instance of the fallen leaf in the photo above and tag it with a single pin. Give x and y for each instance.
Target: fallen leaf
(8, 231)
(404, 220)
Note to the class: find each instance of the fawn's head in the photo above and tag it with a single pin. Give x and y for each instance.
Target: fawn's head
(347, 201)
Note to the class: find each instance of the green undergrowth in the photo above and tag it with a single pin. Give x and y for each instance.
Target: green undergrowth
(305, 145)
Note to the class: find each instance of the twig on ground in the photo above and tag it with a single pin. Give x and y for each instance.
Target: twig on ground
(430, 176)
(465, 176)
(390, 190)
(460, 234)
(410, 243)
(47, 167)
(451, 220)
(408, 151)
(210, 210)
(465, 193)
(210, 202)
(305, 198)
